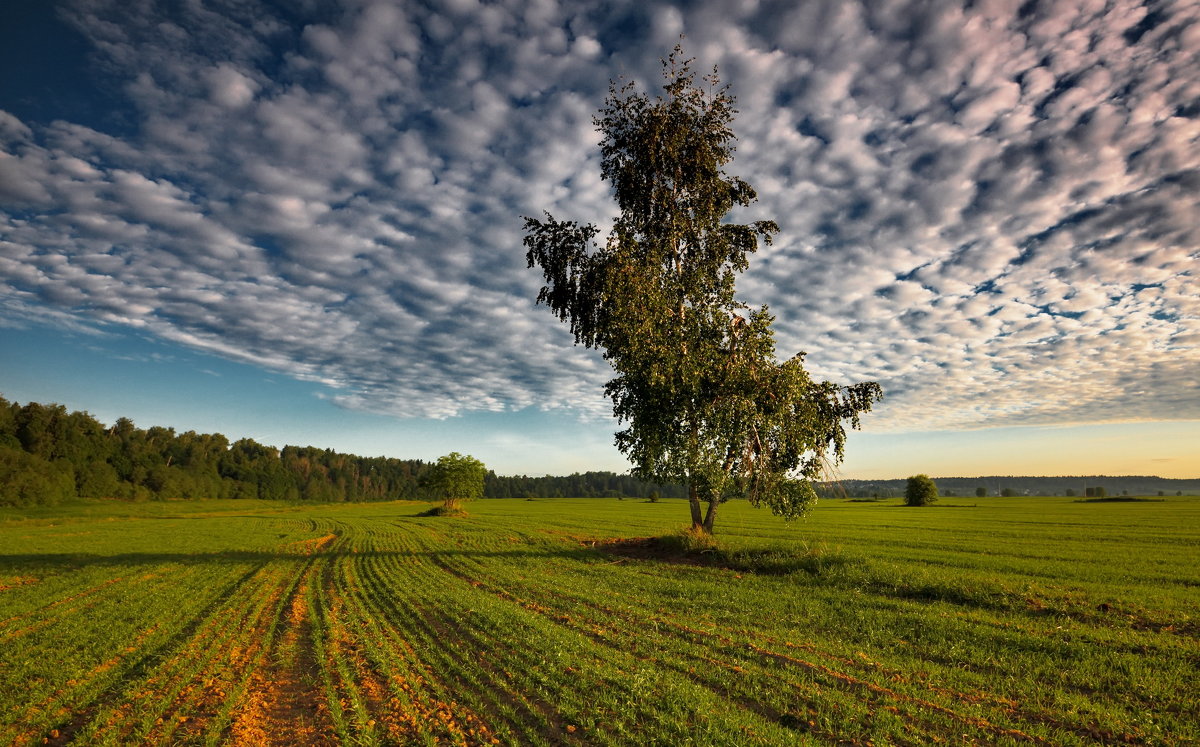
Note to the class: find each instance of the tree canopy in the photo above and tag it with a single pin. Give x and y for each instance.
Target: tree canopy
(456, 478)
(698, 387)
(920, 491)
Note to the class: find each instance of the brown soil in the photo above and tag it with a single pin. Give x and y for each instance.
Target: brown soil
(283, 704)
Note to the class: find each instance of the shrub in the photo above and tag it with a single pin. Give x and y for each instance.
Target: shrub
(981, 492)
(920, 491)
(689, 541)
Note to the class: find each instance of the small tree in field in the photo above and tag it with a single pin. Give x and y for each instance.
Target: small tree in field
(704, 398)
(456, 478)
(981, 492)
(920, 491)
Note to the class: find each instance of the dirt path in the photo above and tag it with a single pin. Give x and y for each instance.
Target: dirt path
(284, 704)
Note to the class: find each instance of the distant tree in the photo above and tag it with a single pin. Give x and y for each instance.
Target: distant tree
(1160, 492)
(920, 491)
(1008, 492)
(705, 401)
(1101, 491)
(980, 492)
(456, 478)
(655, 496)
(1070, 492)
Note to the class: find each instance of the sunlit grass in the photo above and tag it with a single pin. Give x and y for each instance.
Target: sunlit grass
(996, 620)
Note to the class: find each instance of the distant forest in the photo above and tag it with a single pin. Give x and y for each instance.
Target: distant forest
(49, 455)
(1002, 485)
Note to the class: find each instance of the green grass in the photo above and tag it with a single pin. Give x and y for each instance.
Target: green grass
(994, 620)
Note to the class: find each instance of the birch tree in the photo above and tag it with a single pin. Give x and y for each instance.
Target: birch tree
(698, 388)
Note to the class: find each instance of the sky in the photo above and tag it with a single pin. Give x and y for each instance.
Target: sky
(301, 222)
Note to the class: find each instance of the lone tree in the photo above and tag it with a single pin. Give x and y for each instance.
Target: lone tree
(920, 491)
(456, 478)
(704, 400)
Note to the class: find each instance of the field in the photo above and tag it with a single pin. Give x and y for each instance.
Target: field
(996, 620)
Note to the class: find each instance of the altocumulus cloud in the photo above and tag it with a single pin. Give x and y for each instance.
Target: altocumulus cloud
(991, 208)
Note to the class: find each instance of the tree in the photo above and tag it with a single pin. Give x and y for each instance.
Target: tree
(980, 492)
(698, 386)
(456, 478)
(920, 491)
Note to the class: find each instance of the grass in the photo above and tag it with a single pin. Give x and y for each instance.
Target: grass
(599, 622)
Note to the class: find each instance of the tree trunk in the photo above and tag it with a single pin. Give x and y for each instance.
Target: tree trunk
(694, 501)
(711, 516)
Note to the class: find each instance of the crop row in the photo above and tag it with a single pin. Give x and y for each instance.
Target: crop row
(374, 625)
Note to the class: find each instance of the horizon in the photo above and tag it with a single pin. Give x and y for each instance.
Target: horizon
(302, 225)
(837, 479)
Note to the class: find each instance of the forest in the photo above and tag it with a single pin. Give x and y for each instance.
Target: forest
(49, 455)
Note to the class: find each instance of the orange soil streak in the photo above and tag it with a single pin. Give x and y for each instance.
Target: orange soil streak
(406, 719)
(311, 546)
(279, 707)
(61, 712)
(404, 707)
(205, 690)
(6, 637)
(13, 582)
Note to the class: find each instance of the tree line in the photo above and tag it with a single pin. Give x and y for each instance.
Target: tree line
(49, 455)
(578, 485)
(1015, 485)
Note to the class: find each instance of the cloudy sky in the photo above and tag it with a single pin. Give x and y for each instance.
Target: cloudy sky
(301, 221)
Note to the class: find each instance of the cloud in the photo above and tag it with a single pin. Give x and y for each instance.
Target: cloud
(989, 210)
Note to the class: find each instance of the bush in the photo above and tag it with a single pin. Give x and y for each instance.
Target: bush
(452, 511)
(920, 491)
(981, 492)
(689, 541)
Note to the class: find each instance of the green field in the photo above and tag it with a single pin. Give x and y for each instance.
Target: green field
(996, 620)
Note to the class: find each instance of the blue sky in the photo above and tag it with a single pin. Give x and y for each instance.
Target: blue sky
(303, 225)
